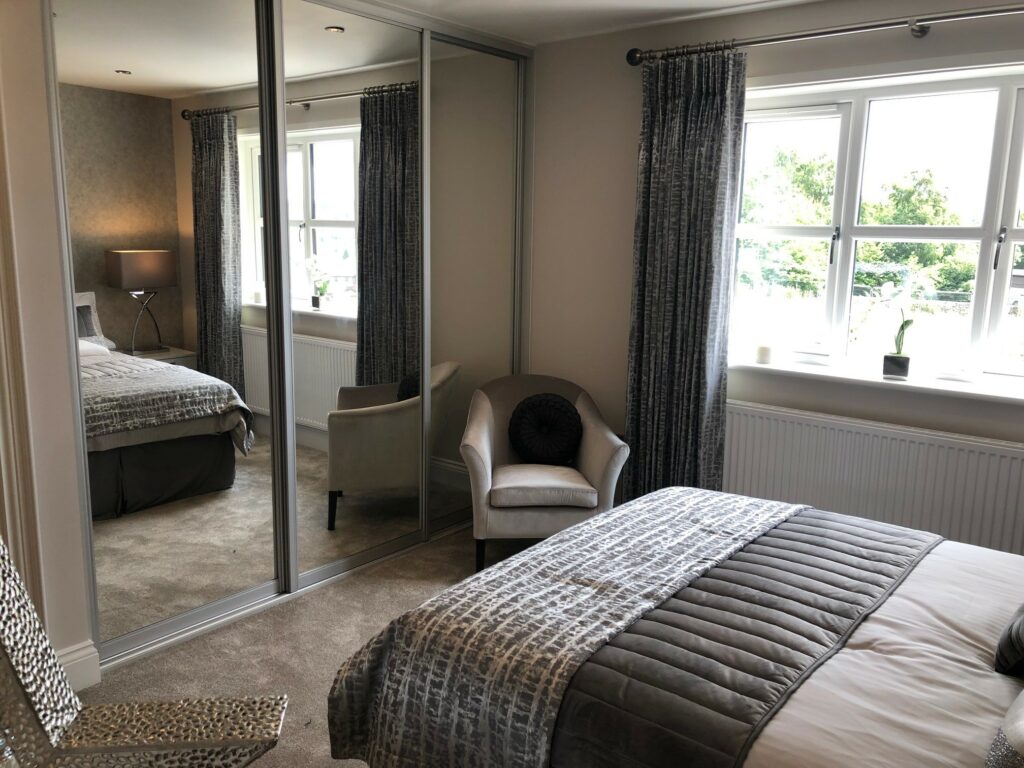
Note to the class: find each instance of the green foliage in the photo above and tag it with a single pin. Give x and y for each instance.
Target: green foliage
(954, 275)
(800, 191)
(901, 332)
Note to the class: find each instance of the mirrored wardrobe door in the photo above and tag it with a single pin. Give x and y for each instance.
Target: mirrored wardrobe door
(164, 219)
(356, 288)
(473, 113)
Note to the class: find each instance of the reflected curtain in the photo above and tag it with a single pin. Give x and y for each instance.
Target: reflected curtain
(683, 265)
(218, 258)
(389, 266)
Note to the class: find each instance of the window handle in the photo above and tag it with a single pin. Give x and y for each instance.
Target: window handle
(302, 226)
(832, 246)
(999, 246)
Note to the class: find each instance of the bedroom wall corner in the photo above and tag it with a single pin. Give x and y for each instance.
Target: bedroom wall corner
(40, 282)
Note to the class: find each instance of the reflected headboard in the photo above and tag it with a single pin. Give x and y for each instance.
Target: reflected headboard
(87, 320)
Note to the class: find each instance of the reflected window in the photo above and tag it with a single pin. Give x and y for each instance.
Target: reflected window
(322, 213)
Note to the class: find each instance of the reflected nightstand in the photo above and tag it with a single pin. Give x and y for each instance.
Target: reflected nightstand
(172, 355)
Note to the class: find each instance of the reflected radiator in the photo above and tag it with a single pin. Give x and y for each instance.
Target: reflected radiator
(321, 366)
(964, 488)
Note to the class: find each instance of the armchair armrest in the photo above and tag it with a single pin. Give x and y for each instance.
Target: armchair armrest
(374, 448)
(350, 398)
(477, 451)
(602, 454)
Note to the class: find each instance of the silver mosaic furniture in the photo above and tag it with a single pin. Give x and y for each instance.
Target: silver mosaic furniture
(43, 723)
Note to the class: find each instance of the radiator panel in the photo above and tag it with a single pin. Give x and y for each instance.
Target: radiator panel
(964, 488)
(321, 366)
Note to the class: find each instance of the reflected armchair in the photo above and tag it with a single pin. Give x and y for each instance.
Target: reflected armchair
(43, 723)
(513, 500)
(374, 439)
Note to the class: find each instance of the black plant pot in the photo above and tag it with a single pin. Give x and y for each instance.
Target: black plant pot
(896, 367)
(315, 300)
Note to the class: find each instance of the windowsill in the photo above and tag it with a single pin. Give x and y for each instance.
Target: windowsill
(330, 312)
(988, 386)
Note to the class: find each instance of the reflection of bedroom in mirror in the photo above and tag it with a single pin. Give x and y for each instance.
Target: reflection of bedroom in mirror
(178, 472)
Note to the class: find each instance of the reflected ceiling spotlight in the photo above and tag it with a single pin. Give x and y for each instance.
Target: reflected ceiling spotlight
(122, 71)
(334, 28)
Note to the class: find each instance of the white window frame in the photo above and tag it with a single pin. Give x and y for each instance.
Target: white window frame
(1001, 205)
(252, 222)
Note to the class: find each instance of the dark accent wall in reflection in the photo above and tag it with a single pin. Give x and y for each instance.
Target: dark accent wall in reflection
(119, 162)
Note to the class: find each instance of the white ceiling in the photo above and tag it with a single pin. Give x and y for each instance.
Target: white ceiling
(176, 48)
(539, 21)
(180, 47)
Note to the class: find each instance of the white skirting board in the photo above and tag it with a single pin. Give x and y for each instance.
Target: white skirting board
(82, 664)
(964, 488)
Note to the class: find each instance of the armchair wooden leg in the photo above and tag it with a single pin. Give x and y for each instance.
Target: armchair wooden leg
(481, 554)
(332, 508)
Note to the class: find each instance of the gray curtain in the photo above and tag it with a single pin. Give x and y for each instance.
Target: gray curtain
(390, 272)
(683, 264)
(217, 227)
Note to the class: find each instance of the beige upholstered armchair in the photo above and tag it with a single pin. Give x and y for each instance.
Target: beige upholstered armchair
(374, 439)
(512, 500)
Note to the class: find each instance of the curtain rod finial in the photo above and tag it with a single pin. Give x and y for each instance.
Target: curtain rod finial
(918, 30)
(634, 56)
(186, 114)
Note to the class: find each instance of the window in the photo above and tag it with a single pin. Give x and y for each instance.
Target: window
(870, 202)
(322, 210)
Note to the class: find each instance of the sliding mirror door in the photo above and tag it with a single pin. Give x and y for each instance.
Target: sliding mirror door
(473, 111)
(356, 288)
(173, 390)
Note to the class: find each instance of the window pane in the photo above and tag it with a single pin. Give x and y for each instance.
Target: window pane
(789, 171)
(335, 265)
(302, 284)
(332, 166)
(1009, 345)
(927, 159)
(780, 295)
(931, 282)
(296, 187)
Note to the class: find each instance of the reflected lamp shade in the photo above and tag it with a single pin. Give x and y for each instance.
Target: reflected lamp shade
(141, 270)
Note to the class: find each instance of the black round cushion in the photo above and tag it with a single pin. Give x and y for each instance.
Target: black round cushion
(546, 429)
(408, 387)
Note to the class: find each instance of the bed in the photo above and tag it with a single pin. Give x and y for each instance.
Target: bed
(694, 628)
(155, 432)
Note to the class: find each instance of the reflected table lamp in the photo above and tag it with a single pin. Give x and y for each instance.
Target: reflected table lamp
(141, 273)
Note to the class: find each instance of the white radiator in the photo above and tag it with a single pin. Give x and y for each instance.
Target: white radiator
(321, 366)
(964, 488)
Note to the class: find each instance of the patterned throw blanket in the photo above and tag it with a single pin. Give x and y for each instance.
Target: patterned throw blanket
(475, 676)
(121, 393)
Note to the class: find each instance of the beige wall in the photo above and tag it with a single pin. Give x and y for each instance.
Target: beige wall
(119, 170)
(586, 129)
(42, 289)
(472, 132)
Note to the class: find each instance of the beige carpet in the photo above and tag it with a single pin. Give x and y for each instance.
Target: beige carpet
(160, 562)
(296, 648)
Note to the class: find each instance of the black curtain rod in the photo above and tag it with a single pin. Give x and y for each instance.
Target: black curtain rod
(919, 27)
(187, 114)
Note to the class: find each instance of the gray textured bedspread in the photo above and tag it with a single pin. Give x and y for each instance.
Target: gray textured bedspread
(695, 680)
(476, 676)
(123, 396)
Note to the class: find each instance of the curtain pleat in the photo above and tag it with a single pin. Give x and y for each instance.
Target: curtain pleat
(683, 265)
(389, 266)
(218, 257)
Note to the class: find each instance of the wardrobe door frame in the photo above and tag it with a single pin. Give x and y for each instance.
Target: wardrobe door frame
(288, 582)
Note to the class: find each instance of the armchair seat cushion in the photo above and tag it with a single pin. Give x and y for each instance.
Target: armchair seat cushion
(540, 485)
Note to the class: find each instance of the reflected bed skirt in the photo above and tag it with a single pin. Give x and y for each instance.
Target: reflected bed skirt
(136, 477)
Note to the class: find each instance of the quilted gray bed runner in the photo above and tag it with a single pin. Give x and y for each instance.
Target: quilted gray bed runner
(695, 680)
(475, 676)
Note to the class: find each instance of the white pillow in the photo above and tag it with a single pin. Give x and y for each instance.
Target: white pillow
(89, 349)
